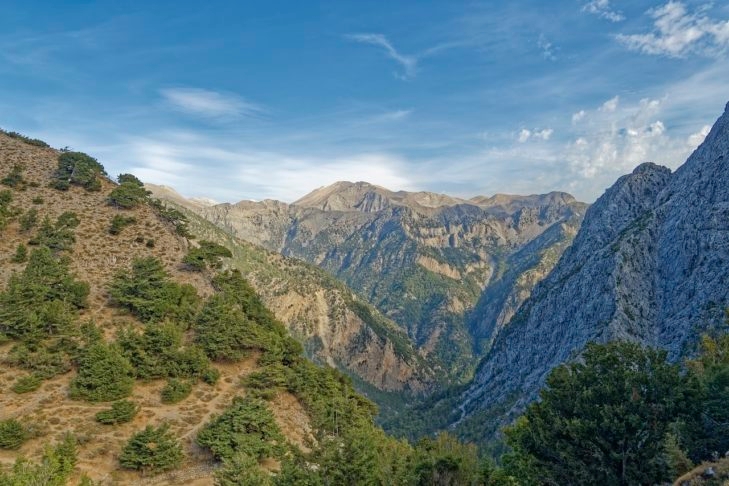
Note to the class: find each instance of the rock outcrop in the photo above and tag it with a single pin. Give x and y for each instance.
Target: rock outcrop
(649, 264)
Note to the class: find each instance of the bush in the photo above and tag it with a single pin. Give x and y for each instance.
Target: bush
(120, 412)
(207, 254)
(38, 200)
(26, 384)
(175, 391)
(79, 169)
(42, 301)
(104, 374)
(246, 427)
(58, 236)
(152, 450)
(149, 294)
(54, 468)
(30, 141)
(21, 254)
(14, 177)
(119, 222)
(128, 195)
(129, 179)
(12, 434)
(29, 220)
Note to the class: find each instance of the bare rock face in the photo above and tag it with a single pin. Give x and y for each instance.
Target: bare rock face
(422, 259)
(649, 264)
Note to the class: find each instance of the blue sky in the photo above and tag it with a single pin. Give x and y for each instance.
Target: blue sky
(253, 100)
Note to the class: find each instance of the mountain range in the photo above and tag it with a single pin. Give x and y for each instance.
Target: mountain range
(424, 260)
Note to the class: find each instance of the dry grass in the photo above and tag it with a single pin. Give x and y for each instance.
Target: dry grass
(96, 257)
(695, 477)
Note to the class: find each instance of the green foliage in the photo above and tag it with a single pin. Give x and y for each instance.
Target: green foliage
(29, 220)
(152, 450)
(12, 434)
(158, 352)
(104, 374)
(241, 470)
(21, 254)
(120, 412)
(208, 254)
(129, 179)
(54, 469)
(30, 141)
(246, 427)
(175, 391)
(119, 222)
(26, 384)
(44, 359)
(128, 195)
(172, 216)
(14, 178)
(601, 421)
(6, 212)
(58, 236)
(149, 294)
(444, 460)
(42, 301)
(78, 169)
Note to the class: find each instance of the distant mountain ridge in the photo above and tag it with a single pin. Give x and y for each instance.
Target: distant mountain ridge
(423, 259)
(649, 264)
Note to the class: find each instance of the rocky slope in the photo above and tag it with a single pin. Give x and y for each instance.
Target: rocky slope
(650, 263)
(422, 259)
(335, 326)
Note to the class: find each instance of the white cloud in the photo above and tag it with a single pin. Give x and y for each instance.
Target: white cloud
(547, 48)
(602, 9)
(525, 134)
(391, 116)
(610, 105)
(577, 117)
(696, 139)
(210, 104)
(678, 33)
(408, 63)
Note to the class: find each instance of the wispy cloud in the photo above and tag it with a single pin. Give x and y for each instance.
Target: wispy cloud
(548, 49)
(409, 64)
(678, 33)
(603, 9)
(210, 104)
(525, 134)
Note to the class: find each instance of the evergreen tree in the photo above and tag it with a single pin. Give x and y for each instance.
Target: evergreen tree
(104, 374)
(152, 450)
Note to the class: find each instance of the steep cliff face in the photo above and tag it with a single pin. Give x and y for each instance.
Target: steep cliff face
(335, 326)
(650, 263)
(422, 259)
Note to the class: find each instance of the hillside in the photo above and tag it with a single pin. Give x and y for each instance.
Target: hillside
(649, 264)
(424, 260)
(151, 351)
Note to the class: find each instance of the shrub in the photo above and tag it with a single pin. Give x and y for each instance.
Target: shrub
(152, 450)
(29, 220)
(26, 384)
(129, 179)
(128, 195)
(175, 391)
(207, 254)
(120, 412)
(79, 169)
(14, 177)
(21, 254)
(54, 468)
(104, 374)
(38, 200)
(12, 434)
(149, 294)
(30, 141)
(246, 427)
(43, 300)
(58, 236)
(119, 222)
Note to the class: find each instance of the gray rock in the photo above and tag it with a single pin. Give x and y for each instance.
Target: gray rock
(649, 264)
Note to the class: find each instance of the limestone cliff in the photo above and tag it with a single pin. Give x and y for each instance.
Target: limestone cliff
(650, 264)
